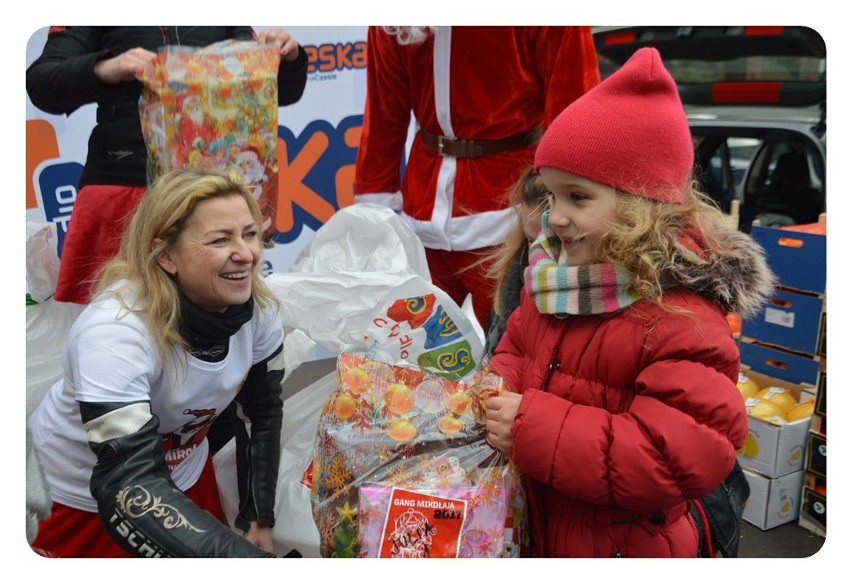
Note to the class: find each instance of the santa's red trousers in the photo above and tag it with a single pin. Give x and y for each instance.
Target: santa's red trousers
(461, 272)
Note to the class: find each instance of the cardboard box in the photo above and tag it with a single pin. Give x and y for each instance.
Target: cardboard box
(820, 399)
(816, 454)
(770, 449)
(780, 363)
(814, 509)
(811, 526)
(812, 513)
(789, 319)
(798, 258)
(773, 501)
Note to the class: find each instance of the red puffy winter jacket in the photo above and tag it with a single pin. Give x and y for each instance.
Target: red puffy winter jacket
(624, 418)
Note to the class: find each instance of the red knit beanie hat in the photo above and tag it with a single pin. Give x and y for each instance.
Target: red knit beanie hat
(629, 132)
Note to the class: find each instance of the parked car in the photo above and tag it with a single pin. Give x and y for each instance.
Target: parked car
(755, 98)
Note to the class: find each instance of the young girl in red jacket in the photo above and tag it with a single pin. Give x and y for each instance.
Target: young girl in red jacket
(622, 366)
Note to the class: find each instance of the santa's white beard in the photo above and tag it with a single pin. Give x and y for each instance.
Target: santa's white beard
(409, 35)
(252, 171)
(196, 116)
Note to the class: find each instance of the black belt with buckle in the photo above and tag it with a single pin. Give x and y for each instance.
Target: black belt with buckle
(459, 148)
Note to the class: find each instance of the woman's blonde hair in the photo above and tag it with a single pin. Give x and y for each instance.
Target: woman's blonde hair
(529, 189)
(135, 277)
(648, 237)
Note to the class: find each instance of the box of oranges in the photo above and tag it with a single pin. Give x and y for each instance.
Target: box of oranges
(779, 419)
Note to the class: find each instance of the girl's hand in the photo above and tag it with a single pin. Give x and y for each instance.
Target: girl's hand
(500, 412)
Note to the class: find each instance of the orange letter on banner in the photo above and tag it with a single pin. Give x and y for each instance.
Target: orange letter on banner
(344, 180)
(291, 188)
(41, 146)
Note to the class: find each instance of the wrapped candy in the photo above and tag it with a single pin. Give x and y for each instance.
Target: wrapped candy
(215, 107)
(401, 467)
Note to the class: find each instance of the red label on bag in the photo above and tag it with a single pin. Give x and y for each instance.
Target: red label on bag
(422, 526)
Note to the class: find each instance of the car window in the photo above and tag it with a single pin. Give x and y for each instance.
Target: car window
(755, 101)
(772, 65)
(752, 68)
(723, 162)
(803, 69)
(786, 184)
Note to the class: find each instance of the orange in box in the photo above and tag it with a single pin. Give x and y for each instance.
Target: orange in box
(771, 449)
(815, 228)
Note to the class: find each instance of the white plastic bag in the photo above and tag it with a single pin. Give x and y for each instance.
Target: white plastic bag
(48, 321)
(294, 524)
(42, 261)
(362, 261)
(48, 324)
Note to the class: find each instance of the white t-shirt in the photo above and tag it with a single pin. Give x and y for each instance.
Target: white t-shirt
(109, 357)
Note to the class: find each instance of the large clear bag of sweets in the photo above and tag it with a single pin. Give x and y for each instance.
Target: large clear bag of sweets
(215, 107)
(401, 466)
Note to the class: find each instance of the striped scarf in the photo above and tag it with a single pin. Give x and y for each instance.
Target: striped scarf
(558, 288)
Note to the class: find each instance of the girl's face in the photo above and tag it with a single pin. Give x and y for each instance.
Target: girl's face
(213, 259)
(579, 213)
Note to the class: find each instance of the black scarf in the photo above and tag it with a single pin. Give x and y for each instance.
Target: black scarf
(208, 333)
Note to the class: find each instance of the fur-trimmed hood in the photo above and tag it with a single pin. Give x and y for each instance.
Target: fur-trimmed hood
(737, 277)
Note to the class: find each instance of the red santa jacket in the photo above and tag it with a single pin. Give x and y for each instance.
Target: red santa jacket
(473, 83)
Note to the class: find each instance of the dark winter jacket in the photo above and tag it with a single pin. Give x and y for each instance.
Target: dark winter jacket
(62, 80)
(626, 417)
(510, 297)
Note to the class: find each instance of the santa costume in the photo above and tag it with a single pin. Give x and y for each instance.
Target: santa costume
(481, 97)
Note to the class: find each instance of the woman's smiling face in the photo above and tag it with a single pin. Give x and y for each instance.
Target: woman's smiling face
(580, 211)
(215, 254)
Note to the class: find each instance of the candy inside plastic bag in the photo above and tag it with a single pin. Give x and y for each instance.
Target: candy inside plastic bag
(401, 467)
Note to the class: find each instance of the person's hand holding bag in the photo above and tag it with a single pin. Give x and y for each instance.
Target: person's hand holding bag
(500, 412)
(283, 41)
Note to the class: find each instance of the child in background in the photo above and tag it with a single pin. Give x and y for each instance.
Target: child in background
(623, 365)
(529, 196)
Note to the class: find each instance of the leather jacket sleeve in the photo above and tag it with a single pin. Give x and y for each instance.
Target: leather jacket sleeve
(258, 441)
(139, 505)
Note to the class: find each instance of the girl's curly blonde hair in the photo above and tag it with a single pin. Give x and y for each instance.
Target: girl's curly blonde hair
(650, 239)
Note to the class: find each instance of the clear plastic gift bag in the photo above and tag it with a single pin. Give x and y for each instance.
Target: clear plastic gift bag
(215, 107)
(401, 467)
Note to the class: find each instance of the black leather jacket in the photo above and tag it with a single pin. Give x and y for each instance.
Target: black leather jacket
(62, 80)
(140, 506)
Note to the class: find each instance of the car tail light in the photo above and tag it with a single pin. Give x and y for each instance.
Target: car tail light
(763, 92)
(619, 38)
(764, 31)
